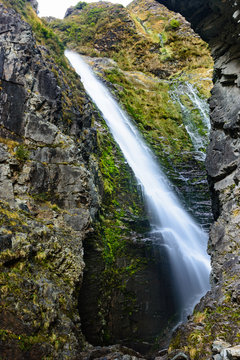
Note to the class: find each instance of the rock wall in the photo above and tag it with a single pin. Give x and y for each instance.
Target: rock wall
(48, 198)
(218, 23)
(50, 190)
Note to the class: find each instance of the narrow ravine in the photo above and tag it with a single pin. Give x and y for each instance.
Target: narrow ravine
(180, 238)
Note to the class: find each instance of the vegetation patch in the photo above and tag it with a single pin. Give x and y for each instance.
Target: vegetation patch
(223, 319)
(122, 217)
(150, 45)
(22, 153)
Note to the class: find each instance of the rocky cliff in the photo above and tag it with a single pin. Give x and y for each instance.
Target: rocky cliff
(55, 170)
(218, 23)
(48, 196)
(143, 53)
(124, 48)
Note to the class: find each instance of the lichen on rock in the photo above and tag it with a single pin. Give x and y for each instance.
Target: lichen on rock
(48, 197)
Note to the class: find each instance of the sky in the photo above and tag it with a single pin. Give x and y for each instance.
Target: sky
(57, 8)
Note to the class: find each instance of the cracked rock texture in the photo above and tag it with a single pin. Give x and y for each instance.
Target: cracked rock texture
(218, 23)
(48, 199)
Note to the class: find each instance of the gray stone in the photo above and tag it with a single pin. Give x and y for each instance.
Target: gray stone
(40, 131)
(6, 187)
(126, 357)
(79, 219)
(39, 178)
(53, 155)
(180, 356)
(34, 4)
(5, 242)
(48, 84)
(12, 106)
(232, 353)
(219, 345)
(217, 357)
(22, 205)
(69, 11)
(4, 155)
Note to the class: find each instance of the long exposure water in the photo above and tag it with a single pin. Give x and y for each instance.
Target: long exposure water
(184, 241)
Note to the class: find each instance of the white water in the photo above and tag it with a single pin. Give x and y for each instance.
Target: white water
(199, 138)
(183, 238)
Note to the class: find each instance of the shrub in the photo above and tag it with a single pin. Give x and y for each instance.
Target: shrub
(80, 5)
(22, 154)
(174, 24)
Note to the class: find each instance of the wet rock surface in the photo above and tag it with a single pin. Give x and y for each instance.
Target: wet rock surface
(137, 315)
(50, 194)
(217, 22)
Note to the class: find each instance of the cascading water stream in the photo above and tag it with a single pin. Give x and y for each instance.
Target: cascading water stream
(198, 132)
(184, 241)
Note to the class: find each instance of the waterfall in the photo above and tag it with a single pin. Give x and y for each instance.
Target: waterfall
(195, 116)
(184, 242)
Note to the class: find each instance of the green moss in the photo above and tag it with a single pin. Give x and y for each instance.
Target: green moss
(22, 153)
(108, 168)
(223, 320)
(113, 234)
(42, 197)
(24, 341)
(80, 5)
(18, 5)
(174, 24)
(157, 116)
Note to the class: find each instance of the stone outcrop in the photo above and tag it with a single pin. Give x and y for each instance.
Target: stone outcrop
(48, 198)
(224, 351)
(34, 4)
(218, 23)
(48, 181)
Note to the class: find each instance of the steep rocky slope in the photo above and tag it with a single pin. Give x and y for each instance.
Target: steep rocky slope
(56, 169)
(48, 196)
(143, 53)
(218, 23)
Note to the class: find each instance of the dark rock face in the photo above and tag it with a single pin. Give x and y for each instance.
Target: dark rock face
(111, 353)
(48, 84)
(47, 200)
(138, 315)
(12, 106)
(218, 23)
(211, 19)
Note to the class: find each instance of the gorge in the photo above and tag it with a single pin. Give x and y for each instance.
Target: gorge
(189, 264)
(65, 186)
